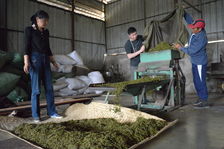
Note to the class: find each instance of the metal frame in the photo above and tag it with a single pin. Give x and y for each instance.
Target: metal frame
(144, 13)
(90, 6)
(3, 45)
(72, 26)
(72, 39)
(201, 4)
(75, 40)
(175, 93)
(114, 1)
(65, 10)
(192, 6)
(105, 29)
(139, 99)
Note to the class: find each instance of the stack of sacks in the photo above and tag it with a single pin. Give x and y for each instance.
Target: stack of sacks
(67, 62)
(71, 86)
(69, 66)
(77, 85)
(13, 81)
(64, 62)
(15, 84)
(65, 82)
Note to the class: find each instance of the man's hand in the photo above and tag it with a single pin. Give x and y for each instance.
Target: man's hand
(132, 55)
(142, 49)
(176, 46)
(26, 64)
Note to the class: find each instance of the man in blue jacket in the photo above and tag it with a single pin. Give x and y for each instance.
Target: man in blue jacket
(196, 49)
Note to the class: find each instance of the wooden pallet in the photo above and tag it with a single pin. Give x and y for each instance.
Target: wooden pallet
(58, 101)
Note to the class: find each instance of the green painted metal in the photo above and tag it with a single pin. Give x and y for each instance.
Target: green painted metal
(169, 73)
(151, 106)
(155, 64)
(151, 70)
(159, 56)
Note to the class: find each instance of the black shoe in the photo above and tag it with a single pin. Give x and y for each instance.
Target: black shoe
(197, 102)
(202, 105)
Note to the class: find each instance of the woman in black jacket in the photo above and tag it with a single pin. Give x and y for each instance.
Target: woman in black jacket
(37, 60)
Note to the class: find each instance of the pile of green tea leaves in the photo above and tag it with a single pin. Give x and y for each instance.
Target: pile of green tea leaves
(121, 86)
(105, 133)
(161, 46)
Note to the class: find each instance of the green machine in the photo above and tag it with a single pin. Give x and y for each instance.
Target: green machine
(171, 93)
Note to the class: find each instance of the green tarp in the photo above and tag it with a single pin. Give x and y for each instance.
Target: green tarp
(169, 29)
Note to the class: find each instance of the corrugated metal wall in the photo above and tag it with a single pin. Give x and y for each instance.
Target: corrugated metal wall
(125, 13)
(89, 33)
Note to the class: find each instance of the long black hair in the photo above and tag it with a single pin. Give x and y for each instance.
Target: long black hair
(40, 14)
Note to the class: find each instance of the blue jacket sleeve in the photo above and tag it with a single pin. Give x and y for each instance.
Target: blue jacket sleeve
(188, 18)
(196, 45)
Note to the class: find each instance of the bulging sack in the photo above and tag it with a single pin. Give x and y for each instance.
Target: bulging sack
(17, 60)
(18, 95)
(65, 68)
(85, 79)
(75, 56)
(62, 68)
(66, 92)
(60, 84)
(96, 77)
(75, 84)
(64, 60)
(8, 82)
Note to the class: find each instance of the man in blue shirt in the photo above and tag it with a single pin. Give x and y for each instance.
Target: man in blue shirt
(196, 49)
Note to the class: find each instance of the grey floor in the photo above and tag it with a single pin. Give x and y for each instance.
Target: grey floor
(8, 141)
(196, 129)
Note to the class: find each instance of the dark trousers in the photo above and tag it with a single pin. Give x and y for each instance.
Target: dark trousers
(40, 71)
(199, 78)
(132, 71)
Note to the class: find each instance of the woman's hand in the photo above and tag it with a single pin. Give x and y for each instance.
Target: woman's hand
(26, 64)
(26, 68)
(54, 62)
(55, 65)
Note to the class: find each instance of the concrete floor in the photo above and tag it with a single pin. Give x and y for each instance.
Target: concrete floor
(8, 141)
(196, 129)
